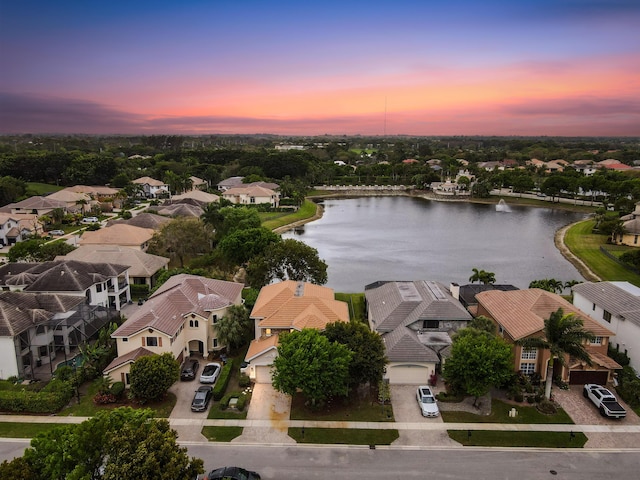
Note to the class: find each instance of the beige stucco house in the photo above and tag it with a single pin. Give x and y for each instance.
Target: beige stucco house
(178, 318)
(119, 234)
(252, 195)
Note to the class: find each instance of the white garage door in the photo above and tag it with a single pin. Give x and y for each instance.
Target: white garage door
(263, 374)
(409, 374)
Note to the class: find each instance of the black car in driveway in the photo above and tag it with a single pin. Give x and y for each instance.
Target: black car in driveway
(189, 369)
(231, 473)
(201, 399)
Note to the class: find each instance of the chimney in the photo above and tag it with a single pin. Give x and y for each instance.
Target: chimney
(454, 288)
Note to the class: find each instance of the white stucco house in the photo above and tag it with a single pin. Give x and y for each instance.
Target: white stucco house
(616, 306)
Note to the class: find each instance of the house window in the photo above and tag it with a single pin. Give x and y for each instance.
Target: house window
(529, 353)
(214, 319)
(607, 316)
(152, 341)
(125, 339)
(430, 323)
(40, 329)
(98, 287)
(214, 343)
(252, 200)
(194, 323)
(42, 351)
(267, 332)
(593, 307)
(528, 368)
(635, 239)
(596, 341)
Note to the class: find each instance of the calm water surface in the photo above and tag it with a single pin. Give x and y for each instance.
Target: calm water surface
(364, 240)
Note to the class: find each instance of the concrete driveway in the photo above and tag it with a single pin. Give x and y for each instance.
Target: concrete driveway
(407, 410)
(267, 404)
(191, 422)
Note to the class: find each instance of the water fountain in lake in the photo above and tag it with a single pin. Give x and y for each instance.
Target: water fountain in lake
(502, 206)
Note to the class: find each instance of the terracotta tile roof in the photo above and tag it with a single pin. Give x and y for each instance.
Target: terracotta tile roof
(148, 181)
(261, 345)
(130, 357)
(179, 296)
(253, 191)
(119, 234)
(35, 202)
(199, 195)
(298, 305)
(522, 312)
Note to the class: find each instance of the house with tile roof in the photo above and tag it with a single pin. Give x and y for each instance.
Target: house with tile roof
(616, 306)
(521, 314)
(179, 318)
(121, 234)
(202, 198)
(143, 220)
(144, 268)
(416, 320)
(152, 188)
(35, 205)
(34, 326)
(285, 307)
(102, 284)
(252, 195)
(630, 234)
(16, 228)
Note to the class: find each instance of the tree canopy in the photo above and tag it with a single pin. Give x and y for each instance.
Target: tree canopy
(38, 250)
(240, 246)
(234, 328)
(182, 238)
(152, 375)
(478, 362)
(308, 362)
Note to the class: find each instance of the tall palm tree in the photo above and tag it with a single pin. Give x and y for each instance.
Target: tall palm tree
(476, 275)
(563, 335)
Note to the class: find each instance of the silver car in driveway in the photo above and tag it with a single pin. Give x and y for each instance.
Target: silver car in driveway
(210, 373)
(427, 401)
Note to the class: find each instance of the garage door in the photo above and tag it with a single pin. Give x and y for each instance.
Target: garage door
(263, 374)
(408, 374)
(580, 377)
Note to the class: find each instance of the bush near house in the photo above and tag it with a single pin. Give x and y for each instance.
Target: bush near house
(51, 399)
(223, 380)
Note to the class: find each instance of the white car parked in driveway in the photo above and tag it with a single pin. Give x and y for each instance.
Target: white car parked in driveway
(427, 401)
(210, 373)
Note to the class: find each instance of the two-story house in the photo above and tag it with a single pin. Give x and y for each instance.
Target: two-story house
(152, 188)
(16, 228)
(521, 314)
(179, 318)
(285, 307)
(616, 306)
(416, 320)
(252, 195)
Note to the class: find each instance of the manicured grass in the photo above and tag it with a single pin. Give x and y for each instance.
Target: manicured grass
(221, 434)
(500, 414)
(586, 246)
(356, 304)
(215, 412)
(24, 430)
(42, 188)
(345, 436)
(86, 407)
(355, 408)
(500, 438)
(273, 220)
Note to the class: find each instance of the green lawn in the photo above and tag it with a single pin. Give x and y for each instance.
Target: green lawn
(344, 436)
(500, 438)
(24, 430)
(586, 246)
(500, 414)
(42, 188)
(355, 408)
(273, 220)
(356, 305)
(221, 434)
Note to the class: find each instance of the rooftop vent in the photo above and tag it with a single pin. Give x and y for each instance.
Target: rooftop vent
(299, 290)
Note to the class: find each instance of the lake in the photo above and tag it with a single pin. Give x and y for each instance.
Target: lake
(367, 239)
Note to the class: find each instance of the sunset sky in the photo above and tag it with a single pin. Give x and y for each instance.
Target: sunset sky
(455, 67)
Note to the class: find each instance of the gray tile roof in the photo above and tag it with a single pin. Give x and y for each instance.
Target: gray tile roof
(403, 345)
(58, 275)
(393, 304)
(143, 220)
(619, 298)
(141, 264)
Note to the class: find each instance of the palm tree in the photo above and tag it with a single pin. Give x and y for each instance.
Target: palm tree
(487, 278)
(233, 329)
(476, 275)
(563, 335)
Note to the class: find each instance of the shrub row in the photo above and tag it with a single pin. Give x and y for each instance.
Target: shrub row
(242, 400)
(223, 380)
(50, 399)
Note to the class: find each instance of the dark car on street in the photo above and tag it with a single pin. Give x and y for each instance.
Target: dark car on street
(201, 399)
(231, 473)
(189, 369)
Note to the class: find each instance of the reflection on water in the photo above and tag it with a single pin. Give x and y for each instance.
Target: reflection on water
(364, 240)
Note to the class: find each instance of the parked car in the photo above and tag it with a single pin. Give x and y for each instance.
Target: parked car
(56, 233)
(604, 400)
(201, 399)
(231, 473)
(427, 401)
(189, 369)
(244, 368)
(210, 373)
(90, 220)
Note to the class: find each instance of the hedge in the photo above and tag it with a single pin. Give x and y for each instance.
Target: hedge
(51, 399)
(223, 380)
